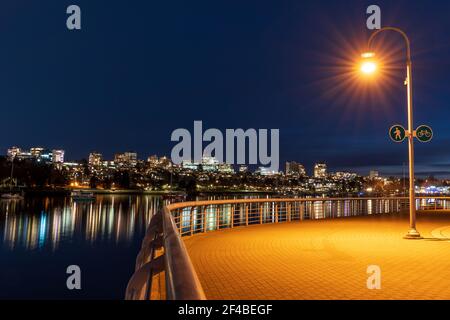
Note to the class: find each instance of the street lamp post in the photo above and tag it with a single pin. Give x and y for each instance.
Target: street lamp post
(412, 233)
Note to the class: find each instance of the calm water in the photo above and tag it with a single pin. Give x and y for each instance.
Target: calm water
(41, 236)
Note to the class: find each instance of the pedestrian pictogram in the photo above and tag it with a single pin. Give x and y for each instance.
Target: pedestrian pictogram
(424, 133)
(397, 133)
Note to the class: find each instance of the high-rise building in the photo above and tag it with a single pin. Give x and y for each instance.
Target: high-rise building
(36, 152)
(58, 156)
(18, 153)
(320, 170)
(153, 160)
(126, 159)
(373, 174)
(295, 169)
(95, 159)
(188, 164)
(163, 162)
(225, 168)
(210, 164)
(13, 152)
(42, 154)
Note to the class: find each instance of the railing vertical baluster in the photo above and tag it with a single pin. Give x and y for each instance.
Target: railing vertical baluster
(217, 217)
(288, 206)
(205, 215)
(324, 211)
(260, 213)
(302, 209)
(246, 213)
(192, 223)
(232, 216)
(276, 213)
(180, 223)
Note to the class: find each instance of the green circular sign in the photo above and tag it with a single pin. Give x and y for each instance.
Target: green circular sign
(397, 133)
(424, 133)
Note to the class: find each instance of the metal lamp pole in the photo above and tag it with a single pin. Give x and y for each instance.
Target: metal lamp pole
(412, 233)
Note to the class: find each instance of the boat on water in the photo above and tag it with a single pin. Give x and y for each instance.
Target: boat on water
(80, 195)
(174, 197)
(12, 196)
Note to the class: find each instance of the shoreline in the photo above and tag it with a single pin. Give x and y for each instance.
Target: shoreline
(67, 191)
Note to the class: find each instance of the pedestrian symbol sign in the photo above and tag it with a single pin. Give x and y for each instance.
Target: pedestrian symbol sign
(397, 133)
(424, 133)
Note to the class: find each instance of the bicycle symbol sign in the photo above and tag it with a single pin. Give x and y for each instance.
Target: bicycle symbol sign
(397, 133)
(424, 133)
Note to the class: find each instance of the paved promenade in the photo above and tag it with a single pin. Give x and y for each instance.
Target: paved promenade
(326, 259)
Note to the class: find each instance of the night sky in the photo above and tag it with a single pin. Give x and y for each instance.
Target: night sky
(140, 69)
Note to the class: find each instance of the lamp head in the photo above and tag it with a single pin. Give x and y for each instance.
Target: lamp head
(368, 64)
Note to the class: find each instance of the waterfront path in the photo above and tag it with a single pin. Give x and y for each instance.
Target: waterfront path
(326, 259)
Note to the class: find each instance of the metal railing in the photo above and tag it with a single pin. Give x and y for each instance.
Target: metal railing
(164, 269)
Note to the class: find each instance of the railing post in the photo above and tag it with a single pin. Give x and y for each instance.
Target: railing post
(205, 218)
(288, 206)
(260, 213)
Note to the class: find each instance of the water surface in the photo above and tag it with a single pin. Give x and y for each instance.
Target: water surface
(41, 236)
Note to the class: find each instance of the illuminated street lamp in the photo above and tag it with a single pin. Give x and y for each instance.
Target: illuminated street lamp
(368, 67)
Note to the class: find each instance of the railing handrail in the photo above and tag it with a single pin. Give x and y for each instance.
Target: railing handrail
(182, 282)
(180, 205)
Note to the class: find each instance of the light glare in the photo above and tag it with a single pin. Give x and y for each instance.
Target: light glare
(368, 67)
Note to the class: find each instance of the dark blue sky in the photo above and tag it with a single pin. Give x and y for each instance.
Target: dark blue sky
(140, 69)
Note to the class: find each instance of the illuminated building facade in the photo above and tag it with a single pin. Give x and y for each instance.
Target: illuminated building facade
(263, 171)
(295, 169)
(125, 160)
(320, 170)
(95, 160)
(58, 156)
(373, 174)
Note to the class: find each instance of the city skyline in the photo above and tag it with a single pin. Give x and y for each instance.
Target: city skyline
(309, 169)
(57, 156)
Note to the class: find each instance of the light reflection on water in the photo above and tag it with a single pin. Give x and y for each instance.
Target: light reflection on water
(45, 222)
(35, 223)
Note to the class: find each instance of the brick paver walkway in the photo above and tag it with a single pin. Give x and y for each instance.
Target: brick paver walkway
(326, 259)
